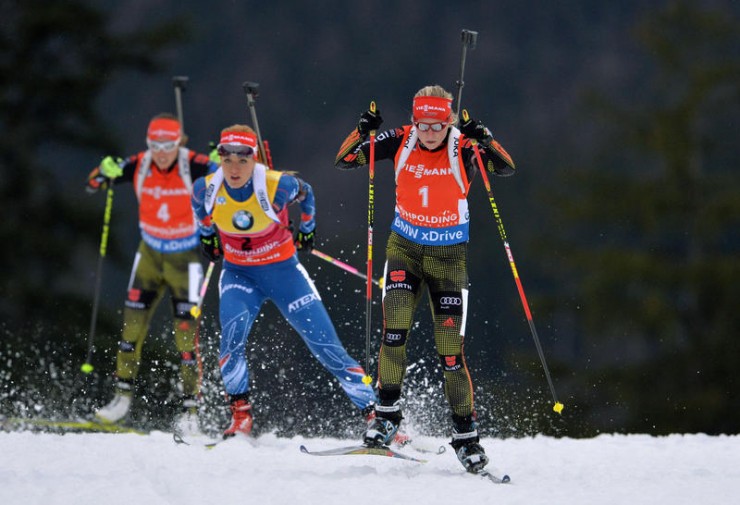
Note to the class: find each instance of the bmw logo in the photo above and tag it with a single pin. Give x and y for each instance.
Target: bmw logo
(242, 220)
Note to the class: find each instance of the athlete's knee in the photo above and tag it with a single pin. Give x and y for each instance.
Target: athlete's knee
(448, 303)
(401, 280)
(188, 358)
(140, 299)
(394, 337)
(126, 347)
(182, 307)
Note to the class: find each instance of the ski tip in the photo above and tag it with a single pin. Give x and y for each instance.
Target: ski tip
(505, 479)
(304, 449)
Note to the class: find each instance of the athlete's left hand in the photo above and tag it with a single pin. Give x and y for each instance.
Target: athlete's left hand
(111, 168)
(474, 129)
(210, 246)
(213, 153)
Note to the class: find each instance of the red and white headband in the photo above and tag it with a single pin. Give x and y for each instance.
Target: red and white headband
(163, 128)
(239, 138)
(432, 107)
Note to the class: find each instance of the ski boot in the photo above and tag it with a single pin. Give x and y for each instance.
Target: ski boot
(465, 441)
(119, 406)
(382, 426)
(400, 438)
(187, 422)
(241, 418)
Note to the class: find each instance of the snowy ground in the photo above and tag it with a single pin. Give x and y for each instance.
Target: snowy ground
(87, 469)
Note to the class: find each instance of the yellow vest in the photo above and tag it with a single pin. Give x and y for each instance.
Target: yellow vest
(249, 236)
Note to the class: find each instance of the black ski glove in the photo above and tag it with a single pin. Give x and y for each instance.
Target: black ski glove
(369, 121)
(304, 241)
(475, 130)
(97, 181)
(210, 245)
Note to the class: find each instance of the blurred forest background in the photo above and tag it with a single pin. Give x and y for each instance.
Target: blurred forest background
(623, 216)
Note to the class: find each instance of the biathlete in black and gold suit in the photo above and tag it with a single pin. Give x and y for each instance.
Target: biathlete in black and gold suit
(166, 260)
(434, 166)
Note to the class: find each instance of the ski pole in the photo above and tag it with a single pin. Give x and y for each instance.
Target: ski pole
(344, 266)
(557, 406)
(87, 366)
(179, 82)
(195, 311)
(469, 40)
(367, 379)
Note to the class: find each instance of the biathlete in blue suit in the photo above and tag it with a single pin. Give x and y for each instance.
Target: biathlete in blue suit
(242, 210)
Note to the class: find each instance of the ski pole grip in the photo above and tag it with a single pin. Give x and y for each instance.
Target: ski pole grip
(465, 118)
(180, 81)
(373, 109)
(251, 88)
(469, 38)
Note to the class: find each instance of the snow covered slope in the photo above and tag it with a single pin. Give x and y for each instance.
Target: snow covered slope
(87, 469)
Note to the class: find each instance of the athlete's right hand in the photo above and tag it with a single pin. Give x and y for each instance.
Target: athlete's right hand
(210, 245)
(369, 120)
(111, 168)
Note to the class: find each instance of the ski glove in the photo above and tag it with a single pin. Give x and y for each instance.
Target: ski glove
(475, 130)
(111, 168)
(304, 240)
(210, 245)
(213, 154)
(369, 121)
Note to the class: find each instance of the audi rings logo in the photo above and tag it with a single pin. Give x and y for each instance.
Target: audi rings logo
(450, 300)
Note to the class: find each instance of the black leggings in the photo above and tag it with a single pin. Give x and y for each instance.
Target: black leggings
(409, 268)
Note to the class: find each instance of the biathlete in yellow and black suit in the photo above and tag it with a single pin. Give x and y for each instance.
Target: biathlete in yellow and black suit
(434, 166)
(167, 257)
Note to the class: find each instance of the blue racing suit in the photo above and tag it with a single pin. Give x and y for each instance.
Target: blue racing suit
(260, 263)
